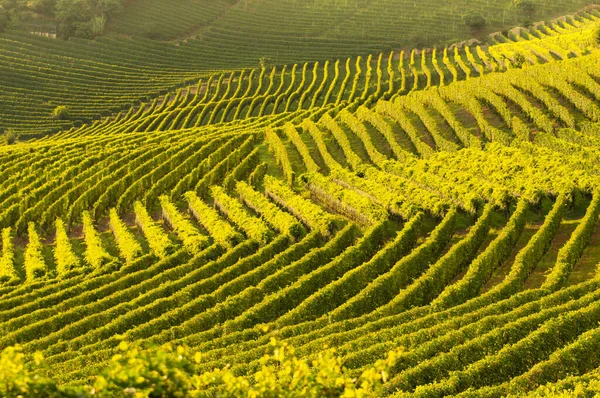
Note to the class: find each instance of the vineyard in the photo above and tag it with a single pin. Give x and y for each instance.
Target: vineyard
(99, 78)
(434, 212)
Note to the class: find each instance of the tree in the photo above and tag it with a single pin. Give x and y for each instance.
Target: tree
(527, 7)
(69, 11)
(85, 18)
(108, 7)
(44, 8)
(474, 19)
(82, 18)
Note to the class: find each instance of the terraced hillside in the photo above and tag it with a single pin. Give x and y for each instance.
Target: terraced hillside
(442, 203)
(228, 25)
(101, 77)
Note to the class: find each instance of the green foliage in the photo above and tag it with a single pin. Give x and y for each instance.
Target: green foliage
(10, 137)
(17, 382)
(435, 280)
(35, 265)
(42, 7)
(387, 286)
(527, 6)
(165, 372)
(255, 228)
(187, 233)
(597, 34)
(350, 271)
(474, 19)
(418, 154)
(482, 268)
(220, 230)
(61, 112)
(355, 206)
(518, 61)
(157, 238)
(169, 372)
(265, 62)
(282, 374)
(66, 260)
(571, 252)
(282, 221)
(128, 246)
(281, 154)
(7, 260)
(85, 18)
(576, 389)
(95, 253)
(312, 215)
(528, 258)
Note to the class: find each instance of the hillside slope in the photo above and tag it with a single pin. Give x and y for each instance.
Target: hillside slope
(444, 203)
(102, 77)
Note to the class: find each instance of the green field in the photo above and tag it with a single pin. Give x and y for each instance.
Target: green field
(431, 214)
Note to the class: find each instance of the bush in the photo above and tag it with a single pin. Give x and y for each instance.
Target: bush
(265, 62)
(16, 381)
(519, 61)
(83, 30)
(61, 112)
(10, 137)
(527, 6)
(163, 373)
(169, 372)
(284, 375)
(474, 19)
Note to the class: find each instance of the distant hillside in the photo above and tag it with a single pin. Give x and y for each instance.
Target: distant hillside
(101, 77)
(275, 25)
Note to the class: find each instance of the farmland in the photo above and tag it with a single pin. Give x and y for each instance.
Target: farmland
(429, 212)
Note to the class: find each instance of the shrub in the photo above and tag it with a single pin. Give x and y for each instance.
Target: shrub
(169, 372)
(519, 61)
(61, 112)
(527, 6)
(10, 137)
(474, 19)
(83, 30)
(162, 373)
(265, 62)
(284, 375)
(16, 381)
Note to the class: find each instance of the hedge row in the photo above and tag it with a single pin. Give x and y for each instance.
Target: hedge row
(482, 268)
(255, 228)
(129, 247)
(433, 281)
(364, 262)
(310, 214)
(387, 285)
(473, 345)
(220, 230)
(570, 253)
(191, 238)
(157, 238)
(280, 220)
